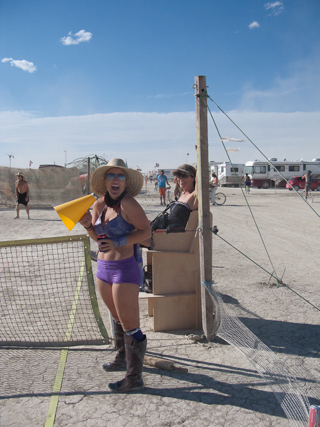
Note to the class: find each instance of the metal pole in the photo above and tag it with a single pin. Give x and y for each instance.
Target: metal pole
(204, 207)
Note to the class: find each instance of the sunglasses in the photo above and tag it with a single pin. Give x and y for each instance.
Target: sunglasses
(111, 176)
(182, 175)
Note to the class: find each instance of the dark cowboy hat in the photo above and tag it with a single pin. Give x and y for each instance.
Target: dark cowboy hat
(185, 170)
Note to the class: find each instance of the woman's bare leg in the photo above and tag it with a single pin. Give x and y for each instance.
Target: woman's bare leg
(105, 291)
(126, 302)
(122, 300)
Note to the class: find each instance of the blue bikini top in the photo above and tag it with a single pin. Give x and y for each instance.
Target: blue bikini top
(117, 227)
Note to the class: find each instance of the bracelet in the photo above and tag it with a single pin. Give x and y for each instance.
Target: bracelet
(89, 228)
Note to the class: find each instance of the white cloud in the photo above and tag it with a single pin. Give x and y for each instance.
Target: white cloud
(299, 90)
(23, 64)
(147, 138)
(275, 8)
(253, 25)
(79, 37)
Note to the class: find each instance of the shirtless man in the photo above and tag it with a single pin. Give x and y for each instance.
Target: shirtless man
(22, 193)
(213, 185)
(308, 179)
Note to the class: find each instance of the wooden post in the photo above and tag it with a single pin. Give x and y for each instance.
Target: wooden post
(204, 207)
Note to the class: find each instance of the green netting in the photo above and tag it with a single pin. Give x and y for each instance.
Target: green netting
(47, 293)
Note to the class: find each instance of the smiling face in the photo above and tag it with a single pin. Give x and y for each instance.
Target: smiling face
(114, 185)
(186, 182)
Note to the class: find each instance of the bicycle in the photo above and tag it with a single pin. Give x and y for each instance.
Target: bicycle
(156, 189)
(220, 198)
(169, 195)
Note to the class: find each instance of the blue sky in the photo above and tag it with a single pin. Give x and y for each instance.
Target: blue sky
(114, 78)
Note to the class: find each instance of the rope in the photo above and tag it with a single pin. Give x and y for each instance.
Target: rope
(292, 398)
(270, 163)
(53, 405)
(246, 199)
(279, 281)
(215, 230)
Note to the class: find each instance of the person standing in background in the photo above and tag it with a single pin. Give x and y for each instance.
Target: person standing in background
(247, 183)
(308, 179)
(162, 183)
(213, 185)
(22, 193)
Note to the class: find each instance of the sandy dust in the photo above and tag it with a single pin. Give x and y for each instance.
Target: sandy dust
(221, 388)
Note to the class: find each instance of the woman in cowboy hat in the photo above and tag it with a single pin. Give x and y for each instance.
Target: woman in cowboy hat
(119, 223)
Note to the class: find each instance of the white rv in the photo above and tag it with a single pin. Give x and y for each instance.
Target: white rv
(266, 175)
(230, 174)
(213, 167)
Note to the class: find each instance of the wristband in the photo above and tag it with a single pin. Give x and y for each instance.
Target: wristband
(119, 241)
(89, 228)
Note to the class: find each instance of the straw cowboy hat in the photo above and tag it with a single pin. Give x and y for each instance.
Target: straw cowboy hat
(134, 181)
(20, 174)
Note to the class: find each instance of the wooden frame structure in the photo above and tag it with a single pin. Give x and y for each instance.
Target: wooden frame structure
(181, 262)
(175, 264)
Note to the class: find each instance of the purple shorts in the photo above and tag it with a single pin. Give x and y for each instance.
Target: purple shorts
(122, 271)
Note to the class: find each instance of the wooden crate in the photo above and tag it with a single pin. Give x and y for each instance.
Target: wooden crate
(176, 301)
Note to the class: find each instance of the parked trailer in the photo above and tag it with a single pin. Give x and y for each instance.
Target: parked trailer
(231, 174)
(213, 167)
(266, 175)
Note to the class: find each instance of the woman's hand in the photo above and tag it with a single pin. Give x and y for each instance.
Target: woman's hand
(105, 245)
(86, 220)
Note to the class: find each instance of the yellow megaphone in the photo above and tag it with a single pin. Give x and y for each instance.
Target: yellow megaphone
(71, 212)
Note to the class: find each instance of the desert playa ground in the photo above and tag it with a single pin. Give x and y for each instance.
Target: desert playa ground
(221, 387)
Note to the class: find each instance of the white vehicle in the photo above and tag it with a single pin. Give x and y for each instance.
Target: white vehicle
(266, 175)
(213, 167)
(230, 174)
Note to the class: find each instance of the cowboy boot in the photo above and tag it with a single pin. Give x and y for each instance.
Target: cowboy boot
(119, 362)
(135, 351)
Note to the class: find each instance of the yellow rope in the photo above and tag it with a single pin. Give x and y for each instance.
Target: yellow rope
(64, 354)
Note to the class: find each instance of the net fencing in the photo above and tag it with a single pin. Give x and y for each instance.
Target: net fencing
(288, 389)
(47, 294)
(49, 186)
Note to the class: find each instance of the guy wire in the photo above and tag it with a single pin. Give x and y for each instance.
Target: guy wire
(254, 220)
(279, 281)
(270, 163)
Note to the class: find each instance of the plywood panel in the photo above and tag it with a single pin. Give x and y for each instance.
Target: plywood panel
(177, 242)
(177, 312)
(173, 242)
(173, 272)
